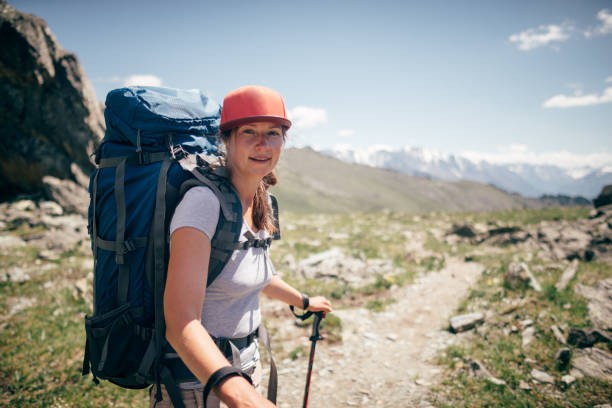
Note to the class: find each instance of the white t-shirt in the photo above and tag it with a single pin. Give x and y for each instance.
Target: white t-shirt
(231, 305)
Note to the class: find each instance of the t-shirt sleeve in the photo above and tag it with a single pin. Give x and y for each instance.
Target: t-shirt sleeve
(198, 209)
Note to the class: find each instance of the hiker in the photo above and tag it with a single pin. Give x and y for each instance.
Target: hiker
(200, 320)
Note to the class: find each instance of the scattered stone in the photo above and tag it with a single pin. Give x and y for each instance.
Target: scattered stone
(8, 242)
(464, 230)
(584, 338)
(600, 306)
(528, 336)
(593, 362)
(51, 208)
(524, 386)
(72, 197)
(465, 322)
(15, 274)
(567, 381)
(334, 264)
(563, 358)
(519, 274)
(542, 377)
(558, 334)
(567, 275)
(392, 337)
(48, 255)
(480, 371)
(17, 304)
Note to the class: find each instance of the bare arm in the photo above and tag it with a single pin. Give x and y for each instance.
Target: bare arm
(183, 299)
(281, 290)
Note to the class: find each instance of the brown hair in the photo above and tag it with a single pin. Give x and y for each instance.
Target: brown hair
(263, 218)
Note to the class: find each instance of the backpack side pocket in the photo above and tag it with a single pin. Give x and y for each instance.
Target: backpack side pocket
(117, 345)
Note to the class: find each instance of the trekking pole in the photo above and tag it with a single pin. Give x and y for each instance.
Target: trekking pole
(318, 316)
(315, 336)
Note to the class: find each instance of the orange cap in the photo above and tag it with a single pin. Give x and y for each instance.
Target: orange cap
(250, 104)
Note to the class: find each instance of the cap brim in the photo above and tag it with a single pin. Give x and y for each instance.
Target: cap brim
(243, 121)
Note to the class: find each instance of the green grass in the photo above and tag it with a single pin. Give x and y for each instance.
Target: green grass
(41, 346)
(503, 354)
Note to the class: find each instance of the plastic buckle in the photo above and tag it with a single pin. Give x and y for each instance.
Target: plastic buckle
(128, 246)
(177, 152)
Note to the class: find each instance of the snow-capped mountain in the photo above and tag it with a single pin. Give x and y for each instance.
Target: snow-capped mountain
(529, 180)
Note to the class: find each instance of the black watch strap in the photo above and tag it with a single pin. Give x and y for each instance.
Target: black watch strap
(305, 301)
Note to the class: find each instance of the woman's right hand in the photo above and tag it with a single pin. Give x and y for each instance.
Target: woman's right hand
(236, 392)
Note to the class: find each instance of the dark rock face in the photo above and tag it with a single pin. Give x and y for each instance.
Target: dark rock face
(604, 198)
(49, 116)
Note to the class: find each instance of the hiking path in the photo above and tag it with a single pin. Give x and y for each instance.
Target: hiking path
(386, 359)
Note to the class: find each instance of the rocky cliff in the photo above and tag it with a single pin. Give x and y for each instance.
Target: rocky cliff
(50, 120)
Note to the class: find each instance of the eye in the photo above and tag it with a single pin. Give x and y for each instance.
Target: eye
(274, 134)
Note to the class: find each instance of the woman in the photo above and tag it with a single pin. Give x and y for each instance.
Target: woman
(253, 127)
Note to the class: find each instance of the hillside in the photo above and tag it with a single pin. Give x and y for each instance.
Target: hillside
(313, 182)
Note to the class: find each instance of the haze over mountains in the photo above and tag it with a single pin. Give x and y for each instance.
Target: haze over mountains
(317, 183)
(528, 180)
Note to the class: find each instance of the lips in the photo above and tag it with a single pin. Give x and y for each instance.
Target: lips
(260, 159)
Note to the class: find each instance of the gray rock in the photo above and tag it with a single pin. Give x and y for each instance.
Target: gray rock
(542, 377)
(563, 358)
(8, 242)
(528, 336)
(334, 264)
(604, 198)
(15, 274)
(567, 380)
(558, 334)
(465, 322)
(481, 371)
(600, 306)
(567, 276)
(593, 362)
(519, 274)
(72, 197)
(51, 208)
(53, 119)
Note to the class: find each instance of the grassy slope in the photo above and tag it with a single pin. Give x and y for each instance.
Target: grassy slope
(311, 182)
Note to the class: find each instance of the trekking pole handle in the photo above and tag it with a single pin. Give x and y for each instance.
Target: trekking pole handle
(316, 335)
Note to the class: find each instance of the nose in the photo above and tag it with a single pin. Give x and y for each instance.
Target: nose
(262, 140)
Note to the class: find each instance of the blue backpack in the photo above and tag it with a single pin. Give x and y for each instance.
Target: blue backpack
(134, 191)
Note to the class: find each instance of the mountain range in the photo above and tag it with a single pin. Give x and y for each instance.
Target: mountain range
(528, 180)
(312, 182)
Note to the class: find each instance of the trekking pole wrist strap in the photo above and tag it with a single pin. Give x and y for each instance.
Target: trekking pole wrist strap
(221, 375)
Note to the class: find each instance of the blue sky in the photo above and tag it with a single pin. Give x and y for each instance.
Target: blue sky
(502, 80)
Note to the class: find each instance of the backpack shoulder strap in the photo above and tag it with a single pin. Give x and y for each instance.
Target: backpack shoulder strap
(229, 224)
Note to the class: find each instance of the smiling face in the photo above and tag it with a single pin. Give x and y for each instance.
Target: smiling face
(253, 150)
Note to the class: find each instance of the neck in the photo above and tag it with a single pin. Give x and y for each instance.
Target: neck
(246, 190)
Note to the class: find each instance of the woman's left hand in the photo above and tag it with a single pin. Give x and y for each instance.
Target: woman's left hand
(319, 304)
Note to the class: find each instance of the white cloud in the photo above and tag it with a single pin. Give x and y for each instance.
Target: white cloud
(143, 80)
(541, 36)
(304, 117)
(609, 79)
(346, 132)
(571, 101)
(605, 18)
(564, 159)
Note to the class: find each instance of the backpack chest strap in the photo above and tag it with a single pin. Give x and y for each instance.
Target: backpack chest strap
(253, 242)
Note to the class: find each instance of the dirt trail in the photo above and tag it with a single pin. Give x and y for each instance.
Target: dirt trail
(385, 359)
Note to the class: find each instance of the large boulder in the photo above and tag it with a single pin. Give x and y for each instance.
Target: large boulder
(604, 198)
(50, 118)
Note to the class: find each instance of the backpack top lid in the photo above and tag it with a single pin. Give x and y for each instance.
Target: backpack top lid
(152, 114)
